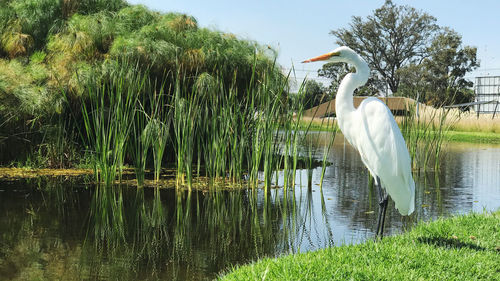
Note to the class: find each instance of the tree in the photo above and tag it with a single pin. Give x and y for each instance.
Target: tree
(446, 66)
(337, 71)
(315, 94)
(392, 38)
(439, 78)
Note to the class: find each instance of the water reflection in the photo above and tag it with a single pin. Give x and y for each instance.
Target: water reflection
(468, 180)
(55, 229)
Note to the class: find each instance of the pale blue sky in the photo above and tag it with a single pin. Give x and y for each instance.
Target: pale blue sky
(300, 29)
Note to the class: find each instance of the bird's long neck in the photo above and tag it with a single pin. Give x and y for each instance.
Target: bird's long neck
(344, 100)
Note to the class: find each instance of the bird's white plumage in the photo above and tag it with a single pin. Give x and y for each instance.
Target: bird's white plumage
(372, 130)
(383, 151)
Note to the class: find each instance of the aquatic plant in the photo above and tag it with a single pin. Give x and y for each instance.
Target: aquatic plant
(139, 142)
(333, 129)
(81, 42)
(108, 119)
(186, 114)
(424, 135)
(158, 128)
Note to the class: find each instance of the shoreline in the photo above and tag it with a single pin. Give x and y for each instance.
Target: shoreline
(451, 135)
(464, 246)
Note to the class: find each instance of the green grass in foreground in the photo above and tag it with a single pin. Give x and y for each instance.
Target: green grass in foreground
(459, 248)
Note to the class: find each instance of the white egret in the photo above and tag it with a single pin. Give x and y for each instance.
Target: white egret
(372, 130)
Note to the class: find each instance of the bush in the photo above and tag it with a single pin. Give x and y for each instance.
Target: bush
(57, 47)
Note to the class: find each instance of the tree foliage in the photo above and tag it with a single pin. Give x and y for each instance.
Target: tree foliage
(439, 78)
(314, 94)
(336, 73)
(408, 53)
(393, 37)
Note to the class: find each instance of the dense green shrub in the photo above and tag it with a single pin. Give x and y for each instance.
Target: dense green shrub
(50, 50)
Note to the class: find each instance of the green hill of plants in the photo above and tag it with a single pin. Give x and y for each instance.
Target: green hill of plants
(53, 53)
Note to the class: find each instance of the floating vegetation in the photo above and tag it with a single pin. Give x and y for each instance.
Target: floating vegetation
(18, 173)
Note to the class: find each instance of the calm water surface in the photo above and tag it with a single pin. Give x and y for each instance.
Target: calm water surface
(59, 229)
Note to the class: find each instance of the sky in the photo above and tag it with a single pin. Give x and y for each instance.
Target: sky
(299, 30)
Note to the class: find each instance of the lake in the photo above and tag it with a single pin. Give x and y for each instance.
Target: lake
(64, 228)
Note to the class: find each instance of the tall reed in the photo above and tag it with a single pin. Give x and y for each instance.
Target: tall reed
(221, 128)
(158, 127)
(424, 136)
(268, 102)
(108, 118)
(140, 142)
(233, 134)
(241, 132)
(186, 115)
(332, 128)
(291, 134)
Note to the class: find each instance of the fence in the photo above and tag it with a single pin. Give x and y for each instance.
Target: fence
(487, 89)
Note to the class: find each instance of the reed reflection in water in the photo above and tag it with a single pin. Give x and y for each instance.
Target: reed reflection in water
(55, 229)
(128, 233)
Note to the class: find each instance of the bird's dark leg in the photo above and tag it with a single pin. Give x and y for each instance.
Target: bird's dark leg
(383, 207)
(383, 200)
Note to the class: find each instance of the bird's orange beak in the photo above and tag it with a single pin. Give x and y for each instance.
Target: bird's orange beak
(322, 57)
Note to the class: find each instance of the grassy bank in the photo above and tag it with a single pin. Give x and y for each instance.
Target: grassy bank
(473, 137)
(459, 248)
(453, 135)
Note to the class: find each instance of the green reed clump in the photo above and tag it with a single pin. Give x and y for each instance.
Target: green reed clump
(266, 134)
(139, 142)
(108, 119)
(424, 135)
(158, 127)
(204, 122)
(217, 122)
(150, 130)
(186, 116)
(292, 135)
(276, 137)
(238, 133)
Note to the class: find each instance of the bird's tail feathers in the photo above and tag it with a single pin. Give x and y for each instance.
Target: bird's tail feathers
(408, 207)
